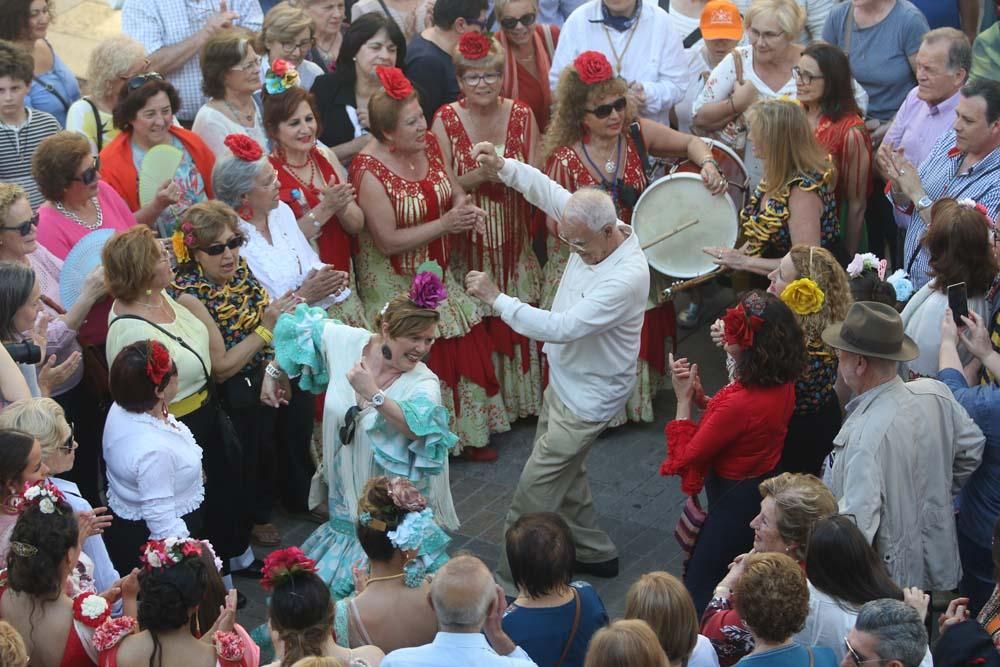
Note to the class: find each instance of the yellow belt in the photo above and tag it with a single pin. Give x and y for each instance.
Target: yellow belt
(189, 404)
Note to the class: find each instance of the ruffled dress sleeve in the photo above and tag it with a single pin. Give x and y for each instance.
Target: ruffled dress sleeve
(298, 347)
(109, 635)
(428, 420)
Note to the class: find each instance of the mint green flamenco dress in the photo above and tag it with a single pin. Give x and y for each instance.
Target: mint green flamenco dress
(322, 351)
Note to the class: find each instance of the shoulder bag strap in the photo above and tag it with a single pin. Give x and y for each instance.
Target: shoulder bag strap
(388, 15)
(692, 38)
(50, 89)
(97, 123)
(576, 626)
(550, 46)
(179, 341)
(811, 659)
(635, 131)
(738, 65)
(848, 28)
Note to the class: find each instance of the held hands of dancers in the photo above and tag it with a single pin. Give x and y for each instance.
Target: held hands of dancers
(485, 155)
(464, 217)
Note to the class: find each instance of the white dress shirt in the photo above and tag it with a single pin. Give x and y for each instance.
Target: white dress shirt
(592, 333)
(154, 471)
(454, 649)
(652, 56)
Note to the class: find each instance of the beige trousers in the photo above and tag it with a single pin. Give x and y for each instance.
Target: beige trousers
(554, 479)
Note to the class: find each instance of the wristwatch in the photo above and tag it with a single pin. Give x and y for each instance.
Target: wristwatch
(924, 202)
(378, 399)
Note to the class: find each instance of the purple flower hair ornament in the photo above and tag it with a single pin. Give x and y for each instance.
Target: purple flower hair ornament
(428, 290)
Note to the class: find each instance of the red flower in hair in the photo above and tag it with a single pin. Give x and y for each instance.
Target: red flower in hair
(739, 327)
(474, 45)
(593, 67)
(158, 363)
(243, 147)
(280, 67)
(395, 83)
(283, 563)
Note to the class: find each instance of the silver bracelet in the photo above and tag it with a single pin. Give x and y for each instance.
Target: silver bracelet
(273, 371)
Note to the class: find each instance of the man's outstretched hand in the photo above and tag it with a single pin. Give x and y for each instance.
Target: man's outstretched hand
(479, 285)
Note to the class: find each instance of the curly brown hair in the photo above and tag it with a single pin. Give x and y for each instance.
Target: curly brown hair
(820, 265)
(800, 500)
(772, 596)
(54, 164)
(572, 99)
(960, 247)
(778, 353)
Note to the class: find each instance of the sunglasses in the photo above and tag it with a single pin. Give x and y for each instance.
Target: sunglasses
(217, 249)
(856, 657)
(605, 110)
(70, 445)
(509, 22)
(139, 80)
(350, 424)
(23, 228)
(89, 175)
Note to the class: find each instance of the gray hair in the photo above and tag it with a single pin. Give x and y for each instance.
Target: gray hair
(462, 592)
(591, 207)
(110, 61)
(959, 47)
(898, 629)
(232, 178)
(500, 6)
(16, 283)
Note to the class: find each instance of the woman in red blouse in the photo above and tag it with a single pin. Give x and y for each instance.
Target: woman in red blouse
(738, 442)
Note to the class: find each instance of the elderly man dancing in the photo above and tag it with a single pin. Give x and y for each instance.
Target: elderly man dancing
(591, 339)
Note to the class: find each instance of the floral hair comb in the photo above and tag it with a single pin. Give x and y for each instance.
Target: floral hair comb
(283, 563)
(740, 326)
(593, 67)
(280, 78)
(44, 494)
(474, 45)
(243, 147)
(158, 364)
(157, 554)
(428, 290)
(865, 262)
(394, 82)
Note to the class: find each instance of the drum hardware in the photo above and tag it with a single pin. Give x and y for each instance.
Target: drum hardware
(673, 232)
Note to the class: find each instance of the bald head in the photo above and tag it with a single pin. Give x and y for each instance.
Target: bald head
(461, 593)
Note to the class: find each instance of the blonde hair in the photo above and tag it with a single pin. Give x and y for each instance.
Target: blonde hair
(492, 61)
(781, 125)
(789, 15)
(500, 6)
(819, 265)
(282, 24)
(10, 193)
(405, 318)
(800, 500)
(662, 601)
(129, 260)
(320, 661)
(572, 99)
(629, 643)
(12, 650)
(42, 418)
(110, 61)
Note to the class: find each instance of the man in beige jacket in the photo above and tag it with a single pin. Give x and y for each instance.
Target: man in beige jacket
(903, 452)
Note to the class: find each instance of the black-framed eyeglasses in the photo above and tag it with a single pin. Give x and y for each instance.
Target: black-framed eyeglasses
(70, 445)
(139, 80)
(350, 424)
(23, 228)
(217, 249)
(803, 76)
(472, 80)
(510, 22)
(301, 47)
(605, 110)
(90, 174)
(856, 657)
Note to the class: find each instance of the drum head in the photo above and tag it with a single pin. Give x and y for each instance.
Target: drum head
(672, 202)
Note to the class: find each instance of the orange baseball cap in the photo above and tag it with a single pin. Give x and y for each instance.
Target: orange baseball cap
(720, 19)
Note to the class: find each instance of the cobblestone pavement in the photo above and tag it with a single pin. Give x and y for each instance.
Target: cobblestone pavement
(636, 506)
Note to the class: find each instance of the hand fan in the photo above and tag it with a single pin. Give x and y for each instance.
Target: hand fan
(158, 167)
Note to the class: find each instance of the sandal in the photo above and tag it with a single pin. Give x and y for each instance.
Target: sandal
(265, 535)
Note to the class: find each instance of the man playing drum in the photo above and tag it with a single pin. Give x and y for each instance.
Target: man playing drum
(591, 337)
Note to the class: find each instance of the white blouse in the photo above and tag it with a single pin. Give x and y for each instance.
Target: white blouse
(284, 263)
(154, 471)
(213, 127)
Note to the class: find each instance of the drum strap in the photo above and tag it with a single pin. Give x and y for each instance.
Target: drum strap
(635, 131)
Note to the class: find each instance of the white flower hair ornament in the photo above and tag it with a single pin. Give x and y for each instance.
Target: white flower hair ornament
(864, 262)
(44, 494)
(409, 536)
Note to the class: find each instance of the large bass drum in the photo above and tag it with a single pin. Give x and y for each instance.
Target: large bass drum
(675, 218)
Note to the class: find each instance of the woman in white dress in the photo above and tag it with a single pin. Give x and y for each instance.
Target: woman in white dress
(382, 415)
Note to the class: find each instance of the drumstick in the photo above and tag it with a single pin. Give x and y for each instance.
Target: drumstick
(666, 235)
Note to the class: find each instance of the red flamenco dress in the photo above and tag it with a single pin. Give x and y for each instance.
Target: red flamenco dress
(566, 167)
(504, 252)
(89, 611)
(462, 355)
(233, 648)
(333, 244)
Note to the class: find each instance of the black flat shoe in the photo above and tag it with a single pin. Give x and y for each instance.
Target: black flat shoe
(606, 569)
(252, 571)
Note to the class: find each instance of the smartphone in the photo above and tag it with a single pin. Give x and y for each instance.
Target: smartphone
(958, 301)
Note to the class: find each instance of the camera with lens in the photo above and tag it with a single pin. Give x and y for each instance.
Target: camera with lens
(24, 352)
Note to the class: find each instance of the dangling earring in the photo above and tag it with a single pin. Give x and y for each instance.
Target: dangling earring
(386, 352)
(392, 147)
(584, 134)
(245, 211)
(462, 102)
(164, 410)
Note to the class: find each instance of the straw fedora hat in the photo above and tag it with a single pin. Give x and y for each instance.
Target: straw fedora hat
(872, 329)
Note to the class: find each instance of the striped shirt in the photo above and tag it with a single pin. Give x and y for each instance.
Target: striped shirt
(17, 146)
(940, 177)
